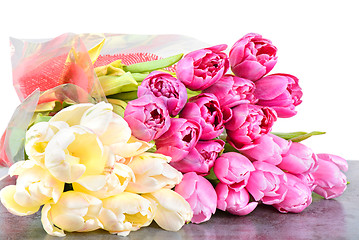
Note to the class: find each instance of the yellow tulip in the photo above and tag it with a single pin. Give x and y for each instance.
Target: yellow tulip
(74, 211)
(125, 212)
(152, 172)
(35, 186)
(172, 210)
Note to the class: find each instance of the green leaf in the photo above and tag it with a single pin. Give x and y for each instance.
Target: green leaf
(119, 106)
(112, 84)
(212, 177)
(297, 136)
(125, 96)
(150, 66)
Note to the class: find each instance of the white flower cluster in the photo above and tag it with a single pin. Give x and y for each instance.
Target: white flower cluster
(117, 185)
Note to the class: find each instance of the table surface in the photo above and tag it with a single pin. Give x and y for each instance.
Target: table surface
(323, 219)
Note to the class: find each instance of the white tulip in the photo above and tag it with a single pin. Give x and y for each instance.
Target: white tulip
(125, 212)
(172, 210)
(73, 152)
(38, 136)
(152, 172)
(35, 186)
(106, 185)
(74, 211)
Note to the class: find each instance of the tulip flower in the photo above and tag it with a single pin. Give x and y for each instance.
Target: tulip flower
(165, 86)
(330, 181)
(34, 187)
(107, 184)
(200, 195)
(38, 136)
(180, 138)
(152, 172)
(267, 183)
(74, 212)
(147, 117)
(299, 159)
(232, 201)
(280, 92)
(248, 123)
(252, 57)
(73, 152)
(201, 158)
(298, 197)
(232, 91)
(233, 168)
(125, 212)
(268, 148)
(205, 109)
(172, 210)
(308, 179)
(200, 69)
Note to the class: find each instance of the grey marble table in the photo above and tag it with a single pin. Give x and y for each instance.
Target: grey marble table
(323, 219)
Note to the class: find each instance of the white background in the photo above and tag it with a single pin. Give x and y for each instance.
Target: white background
(317, 41)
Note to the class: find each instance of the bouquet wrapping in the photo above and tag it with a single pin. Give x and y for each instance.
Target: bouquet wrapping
(115, 131)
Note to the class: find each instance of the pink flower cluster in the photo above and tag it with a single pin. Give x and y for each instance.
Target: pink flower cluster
(242, 106)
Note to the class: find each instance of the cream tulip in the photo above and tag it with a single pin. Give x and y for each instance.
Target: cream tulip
(172, 210)
(125, 212)
(35, 186)
(73, 152)
(74, 212)
(38, 136)
(152, 172)
(107, 184)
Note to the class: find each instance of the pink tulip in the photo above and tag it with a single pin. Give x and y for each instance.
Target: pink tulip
(200, 195)
(298, 197)
(231, 91)
(299, 159)
(330, 181)
(268, 148)
(280, 92)
(147, 117)
(200, 69)
(308, 179)
(252, 57)
(180, 138)
(233, 168)
(165, 86)
(248, 123)
(205, 109)
(267, 183)
(201, 158)
(234, 202)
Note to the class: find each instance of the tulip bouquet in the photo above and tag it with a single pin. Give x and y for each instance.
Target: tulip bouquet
(114, 140)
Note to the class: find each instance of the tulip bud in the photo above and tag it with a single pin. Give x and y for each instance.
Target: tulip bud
(280, 92)
(180, 138)
(152, 172)
(252, 57)
(200, 194)
(205, 109)
(200, 69)
(231, 91)
(147, 117)
(234, 201)
(172, 210)
(165, 86)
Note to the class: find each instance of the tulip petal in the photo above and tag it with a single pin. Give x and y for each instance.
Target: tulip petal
(98, 117)
(72, 114)
(47, 223)
(7, 199)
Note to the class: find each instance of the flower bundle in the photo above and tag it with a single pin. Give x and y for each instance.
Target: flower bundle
(110, 152)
